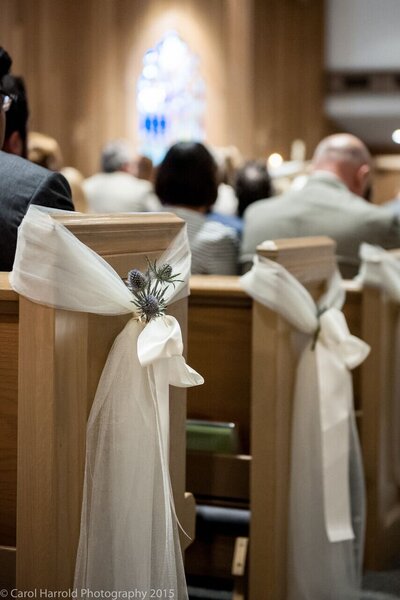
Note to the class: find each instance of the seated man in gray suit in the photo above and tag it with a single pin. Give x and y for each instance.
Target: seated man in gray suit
(21, 184)
(331, 203)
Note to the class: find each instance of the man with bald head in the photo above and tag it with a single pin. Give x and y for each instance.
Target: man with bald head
(331, 203)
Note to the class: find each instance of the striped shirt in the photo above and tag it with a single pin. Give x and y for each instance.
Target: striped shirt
(214, 246)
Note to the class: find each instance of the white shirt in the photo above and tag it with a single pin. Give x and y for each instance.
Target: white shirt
(226, 202)
(119, 192)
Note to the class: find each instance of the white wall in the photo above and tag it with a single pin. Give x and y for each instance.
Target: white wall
(363, 35)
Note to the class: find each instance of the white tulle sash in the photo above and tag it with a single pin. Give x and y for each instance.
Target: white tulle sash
(381, 269)
(128, 538)
(326, 506)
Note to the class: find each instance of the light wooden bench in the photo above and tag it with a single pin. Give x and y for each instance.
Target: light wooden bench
(224, 480)
(9, 309)
(219, 324)
(380, 431)
(60, 358)
(274, 360)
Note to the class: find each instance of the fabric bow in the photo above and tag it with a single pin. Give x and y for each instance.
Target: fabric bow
(160, 347)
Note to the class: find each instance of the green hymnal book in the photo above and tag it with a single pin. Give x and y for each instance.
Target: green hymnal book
(212, 436)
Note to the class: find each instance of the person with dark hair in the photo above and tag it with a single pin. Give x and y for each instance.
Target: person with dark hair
(15, 139)
(22, 183)
(186, 183)
(252, 183)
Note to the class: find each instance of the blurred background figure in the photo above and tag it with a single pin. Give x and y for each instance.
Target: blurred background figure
(22, 183)
(75, 180)
(45, 151)
(115, 188)
(228, 160)
(143, 168)
(15, 138)
(331, 203)
(252, 183)
(187, 184)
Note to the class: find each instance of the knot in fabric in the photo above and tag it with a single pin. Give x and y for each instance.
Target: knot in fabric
(334, 334)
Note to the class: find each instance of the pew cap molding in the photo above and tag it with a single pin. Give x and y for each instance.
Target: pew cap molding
(216, 285)
(105, 221)
(6, 291)
(309, 259)
(123, 233)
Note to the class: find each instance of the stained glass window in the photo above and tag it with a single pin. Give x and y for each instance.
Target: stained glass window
(170, 97)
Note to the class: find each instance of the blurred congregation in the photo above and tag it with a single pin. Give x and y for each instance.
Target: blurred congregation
(257, 139)
(270, 131)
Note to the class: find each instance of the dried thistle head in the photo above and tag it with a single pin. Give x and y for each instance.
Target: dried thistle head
(149, 289)
(163, 274)
(136, 280)
(149, 306)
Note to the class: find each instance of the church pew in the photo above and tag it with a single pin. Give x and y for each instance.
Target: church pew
(9, 308)
(380, 427)
(219, 323)
(220, 345)
(224, 480)
(70, 348)
(274, 359)
(373, 317)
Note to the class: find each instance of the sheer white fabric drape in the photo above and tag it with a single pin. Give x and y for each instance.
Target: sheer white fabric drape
(381, 269)
(129, 538)
(326, 505)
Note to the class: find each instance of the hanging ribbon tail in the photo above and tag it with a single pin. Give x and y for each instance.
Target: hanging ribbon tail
(337, 352)
(162, 339)
(127, 502)
(160, 349)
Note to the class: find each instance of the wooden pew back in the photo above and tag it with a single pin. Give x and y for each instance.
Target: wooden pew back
(371, 317)
(60, 359)
(274, 359)
(9, 309)
(380, 427)
(219, 324)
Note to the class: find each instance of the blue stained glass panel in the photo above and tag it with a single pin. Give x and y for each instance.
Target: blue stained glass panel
(170, 97)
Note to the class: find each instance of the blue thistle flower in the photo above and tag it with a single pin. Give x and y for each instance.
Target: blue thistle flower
(149, 289)
(162, 274)
(149, 306)
(136, 280)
